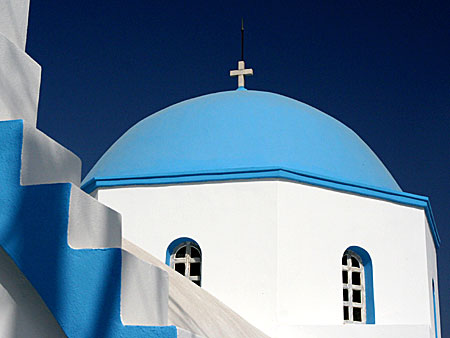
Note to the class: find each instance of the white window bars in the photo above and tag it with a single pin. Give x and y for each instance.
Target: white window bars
(353, 288)
(187, 260)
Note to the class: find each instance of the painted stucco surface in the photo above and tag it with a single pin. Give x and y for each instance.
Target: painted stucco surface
(193, 309)
(20, 78)
(281, 242)
(91, 224)
(236, 130)
(360, 331)
(186, 334)
(46, 161)
(432, 273)
(235, 226)
(319, 225)
(144, 292)
(14, 21)
(80, 287)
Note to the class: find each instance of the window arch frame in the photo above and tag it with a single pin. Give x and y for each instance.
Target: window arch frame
(366, 285)
(353, 284)
(187, 259)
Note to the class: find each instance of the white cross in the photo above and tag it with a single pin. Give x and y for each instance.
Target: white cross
(241, 72)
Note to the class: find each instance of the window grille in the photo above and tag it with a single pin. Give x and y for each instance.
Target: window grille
(353, 288)
(187, 260)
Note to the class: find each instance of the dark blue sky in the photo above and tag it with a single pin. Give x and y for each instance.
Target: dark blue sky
(381, 69)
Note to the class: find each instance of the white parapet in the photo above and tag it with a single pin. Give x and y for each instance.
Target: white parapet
(194, 311)
(14, 21)
(46, 161)
(144, 287)
(144, 293)
(20, 79)
(92, 225)
(182, 333)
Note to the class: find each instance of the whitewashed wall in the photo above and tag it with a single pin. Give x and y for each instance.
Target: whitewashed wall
(20, 75)
(14, 21)
(231, 222)
(46, 161)
(317, 225)
(272, 249)
(20, 83)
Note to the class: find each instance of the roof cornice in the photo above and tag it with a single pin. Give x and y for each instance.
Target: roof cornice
(274, 173)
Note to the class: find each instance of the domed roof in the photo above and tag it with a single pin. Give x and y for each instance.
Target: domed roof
(237, 131)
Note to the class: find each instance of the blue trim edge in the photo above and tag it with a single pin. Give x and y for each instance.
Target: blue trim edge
(434, 308)
(271, 172)
(368, 277)
(174, 244)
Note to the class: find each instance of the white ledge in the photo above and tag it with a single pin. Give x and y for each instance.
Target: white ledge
(144, 295)
(92, 225)
(20, 80)
(46, 161)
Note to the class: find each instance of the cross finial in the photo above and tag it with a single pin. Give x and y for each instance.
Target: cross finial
(240, 73)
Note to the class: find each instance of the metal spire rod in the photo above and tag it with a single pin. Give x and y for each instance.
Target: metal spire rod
(241, 71)
(242, 39)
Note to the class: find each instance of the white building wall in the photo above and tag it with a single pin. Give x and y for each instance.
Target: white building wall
(234, 224)
(432, 275)
(319, 224)
(194, 309)
(355, 331)
(272, 249)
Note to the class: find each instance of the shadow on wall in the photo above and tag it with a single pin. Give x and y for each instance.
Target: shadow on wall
(23, 310)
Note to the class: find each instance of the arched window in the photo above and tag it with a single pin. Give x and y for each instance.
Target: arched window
(186, 258)
(353, 288)
(357, 286)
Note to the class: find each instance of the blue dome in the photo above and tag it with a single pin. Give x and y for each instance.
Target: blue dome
(237, 131)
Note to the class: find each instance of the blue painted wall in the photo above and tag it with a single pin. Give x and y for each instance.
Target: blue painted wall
(80, 287)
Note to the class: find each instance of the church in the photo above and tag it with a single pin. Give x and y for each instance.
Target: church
(234, 214)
